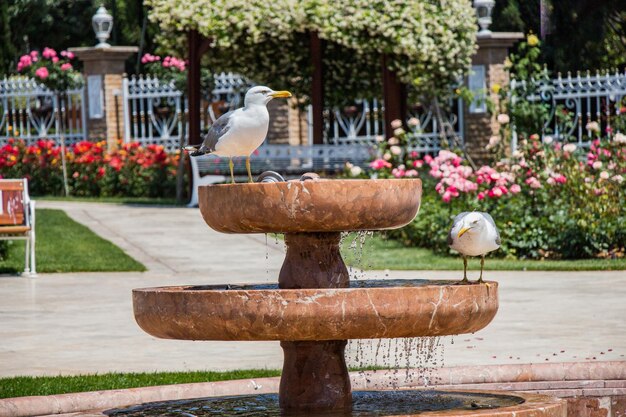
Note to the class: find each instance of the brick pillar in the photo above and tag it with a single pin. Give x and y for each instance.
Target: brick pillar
(493, 49)
(103, 69)
(278, 132)
(288, 123)
(298, 125)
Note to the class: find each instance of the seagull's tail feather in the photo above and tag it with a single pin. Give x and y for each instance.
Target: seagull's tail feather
(195, 150)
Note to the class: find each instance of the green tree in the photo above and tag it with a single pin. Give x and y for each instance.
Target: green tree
(582, 35)
(60, 24)
(7, 50)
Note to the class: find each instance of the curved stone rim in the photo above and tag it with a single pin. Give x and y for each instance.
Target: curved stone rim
(534, 405)
(314, 314)
(310, 206)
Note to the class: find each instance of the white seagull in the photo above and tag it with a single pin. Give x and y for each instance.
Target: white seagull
(474, 234)
(240, 132)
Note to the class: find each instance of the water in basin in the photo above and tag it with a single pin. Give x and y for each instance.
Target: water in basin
(365, 404)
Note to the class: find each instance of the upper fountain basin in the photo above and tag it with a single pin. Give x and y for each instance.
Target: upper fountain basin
(310, 206)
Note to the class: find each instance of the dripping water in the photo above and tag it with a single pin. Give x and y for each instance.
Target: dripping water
(356, 246)
(267, 258)
(408, 361)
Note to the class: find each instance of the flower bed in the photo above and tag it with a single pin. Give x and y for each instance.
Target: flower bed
(549, 200)
(129, 171)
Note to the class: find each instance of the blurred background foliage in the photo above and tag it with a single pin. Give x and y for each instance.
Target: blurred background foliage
(578, 34)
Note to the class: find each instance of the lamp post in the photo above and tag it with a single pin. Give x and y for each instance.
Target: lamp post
(483, 13)
(102, 23)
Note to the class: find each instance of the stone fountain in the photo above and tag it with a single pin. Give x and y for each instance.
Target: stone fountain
(314, 309)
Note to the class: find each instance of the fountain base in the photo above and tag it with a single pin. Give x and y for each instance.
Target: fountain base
(315, 377)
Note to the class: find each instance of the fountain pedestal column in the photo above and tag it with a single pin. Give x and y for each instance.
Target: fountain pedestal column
(315, 375)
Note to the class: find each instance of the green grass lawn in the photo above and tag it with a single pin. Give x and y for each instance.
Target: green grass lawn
(66, 246)
(380, 254)
(25, 385)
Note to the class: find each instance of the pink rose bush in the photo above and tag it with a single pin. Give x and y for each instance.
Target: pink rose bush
(550, 200)
(54, 70)
(170, 69)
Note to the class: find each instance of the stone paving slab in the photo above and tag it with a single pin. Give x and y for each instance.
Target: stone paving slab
(83, 322)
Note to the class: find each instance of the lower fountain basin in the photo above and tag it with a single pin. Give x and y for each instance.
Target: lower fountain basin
(365, 404)
(374, 309)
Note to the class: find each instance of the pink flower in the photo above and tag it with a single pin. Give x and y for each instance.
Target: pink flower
(413, 121)
(395, 124)
(515, 188)
(55, 59)
(418, 164)
(49, 53)
(560, 178)
(446, 197)
(42, 73)
(481, 195)
(34, 54)
(67, 54)
(146, 58)
(411, 173)
(569, 148)
(533, 182)
(65, 67)
(495, 192)
(379, 164)
(398, 173)
(428, 159)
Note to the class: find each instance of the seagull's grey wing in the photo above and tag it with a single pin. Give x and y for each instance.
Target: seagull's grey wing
(457, 219)
(488, 217)
(217, 130)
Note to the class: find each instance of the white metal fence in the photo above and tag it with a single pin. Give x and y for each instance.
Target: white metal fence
(573, 102)
(361, 123)
(154, 112)
(28, 111)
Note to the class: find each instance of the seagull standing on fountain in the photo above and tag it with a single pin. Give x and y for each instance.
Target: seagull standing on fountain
(240, 132)
(474, 234)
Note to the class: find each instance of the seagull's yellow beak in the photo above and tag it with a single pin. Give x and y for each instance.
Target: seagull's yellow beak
(281, 94)
(463, 230)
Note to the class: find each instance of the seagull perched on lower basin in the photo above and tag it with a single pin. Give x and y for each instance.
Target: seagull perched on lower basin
(240, 132)
(474, 234)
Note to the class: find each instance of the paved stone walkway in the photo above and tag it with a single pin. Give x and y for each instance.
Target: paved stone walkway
(83, 322)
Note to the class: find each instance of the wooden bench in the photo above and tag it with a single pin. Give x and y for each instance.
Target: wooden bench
(17, 218)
